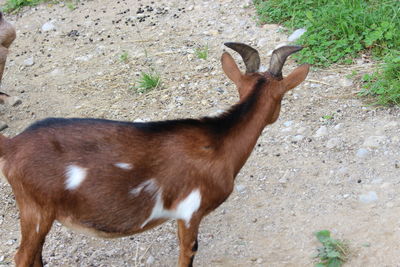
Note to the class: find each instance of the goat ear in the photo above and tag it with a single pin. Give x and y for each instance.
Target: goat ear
(296, 77)
(230, 68)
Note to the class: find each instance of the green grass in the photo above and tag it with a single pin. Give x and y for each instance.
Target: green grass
(385, 82)
(12, 5)
(148, 81)
(202, 52)
(332, 253)
(339, 30)
(124, 57)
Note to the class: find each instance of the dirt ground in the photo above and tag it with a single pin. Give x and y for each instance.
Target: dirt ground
(331, 161)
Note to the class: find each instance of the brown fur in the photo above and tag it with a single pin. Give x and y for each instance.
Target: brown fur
(180, 156)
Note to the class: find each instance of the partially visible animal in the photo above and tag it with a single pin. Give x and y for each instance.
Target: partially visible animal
(7, 36)
(116, 178)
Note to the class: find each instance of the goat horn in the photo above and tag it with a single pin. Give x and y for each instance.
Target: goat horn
(249, 55)
(279, 57)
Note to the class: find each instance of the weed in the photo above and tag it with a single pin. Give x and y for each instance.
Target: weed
(337, 31)
(12, 5)
(328, 117)
(202, 52)
(148, 81)
(333, 253)
(385, 82)
(71, 6)
(124, 57)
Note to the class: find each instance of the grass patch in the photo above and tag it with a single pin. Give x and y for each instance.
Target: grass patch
(202, 52)
(12, 5)
(385, 82)
(148, 81)
(333, 253)
(339, 30)
(124, 57)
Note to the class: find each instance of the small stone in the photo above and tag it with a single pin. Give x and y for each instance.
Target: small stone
(362, 153)
(150, 260)
(390, 204)
(3, 125)
(374, 141)
(322, 131)
(240, 188)
(259, 260)
(1, 258)
(48, 26)
(370, 197)
(13, 101)
(298, 137)
(296, 35)
(283, 180)
(29, 61)
(262, 42)
(345, 82)
(288, 123)
(333, 142)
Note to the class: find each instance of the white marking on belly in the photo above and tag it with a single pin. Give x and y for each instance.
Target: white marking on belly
(123, 165)
(75, 176)
(149, 186)
(183, 211)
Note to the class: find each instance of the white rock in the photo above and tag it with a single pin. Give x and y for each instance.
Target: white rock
(296, 35)
(262, 42)
(322, 131)
(13, 101)
(150, 260)
(3, 125)
(84, 58)
(48, 26)
(345, 82)
(362, 153)
(333, 142)
(338, 126)
(288, 123)
(240, 188)
(29, 61)
(374, 141)
(298, 137)
(370, 197)
(1, 258)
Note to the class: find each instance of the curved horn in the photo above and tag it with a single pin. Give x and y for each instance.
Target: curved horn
(249, 55)
(279, 57)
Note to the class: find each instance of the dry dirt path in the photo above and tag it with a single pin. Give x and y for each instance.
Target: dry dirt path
(307, 173)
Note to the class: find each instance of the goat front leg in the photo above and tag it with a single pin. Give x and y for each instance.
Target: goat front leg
(187, 242)
(34, 227)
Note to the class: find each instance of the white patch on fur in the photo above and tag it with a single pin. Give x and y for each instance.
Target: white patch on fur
(75, 176)
(123, 165)
(183, 211)
(37, 228)
(149, 186)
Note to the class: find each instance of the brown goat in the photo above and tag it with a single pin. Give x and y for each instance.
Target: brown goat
(113, 178)
(7, 36)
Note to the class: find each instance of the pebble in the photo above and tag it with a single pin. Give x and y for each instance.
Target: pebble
(296, 34)
(333, 142)
(48, 26)
(1, 258)
(240, 188)
(150, 260)
(362, 153)
(3, 125)
(262, 42)
(29, 61)
(370, 197)
(288, 123)
(345, 82)
(13, 101)
(298, 137)
(374, 141)
(322, 131)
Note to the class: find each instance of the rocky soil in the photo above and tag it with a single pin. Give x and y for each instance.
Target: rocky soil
(330, 162)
